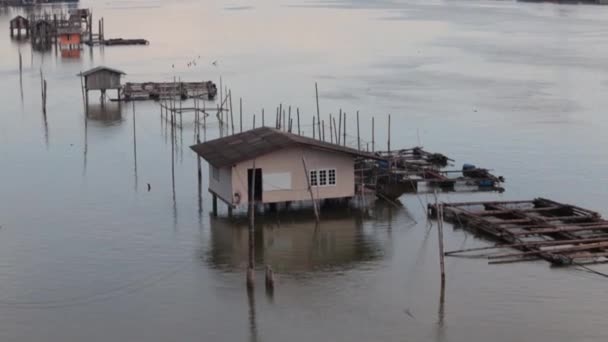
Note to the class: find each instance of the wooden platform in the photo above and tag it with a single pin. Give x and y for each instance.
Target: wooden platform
(161, 90)
(562, 234)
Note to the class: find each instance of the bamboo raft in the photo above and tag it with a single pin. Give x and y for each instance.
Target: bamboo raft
(163, 90)
(561, 234)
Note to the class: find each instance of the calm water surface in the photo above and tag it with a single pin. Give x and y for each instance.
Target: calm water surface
(87, 253)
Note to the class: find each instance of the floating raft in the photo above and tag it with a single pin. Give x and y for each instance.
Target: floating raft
(562, 234)
(163, 90)
(415, 170)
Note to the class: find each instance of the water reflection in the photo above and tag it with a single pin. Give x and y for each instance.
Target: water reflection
(291, 242)
(108, 113)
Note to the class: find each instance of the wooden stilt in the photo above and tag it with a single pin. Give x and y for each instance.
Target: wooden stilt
(251, 264)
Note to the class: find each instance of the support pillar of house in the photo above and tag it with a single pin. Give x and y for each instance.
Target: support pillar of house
(214, 205)
(229, 210)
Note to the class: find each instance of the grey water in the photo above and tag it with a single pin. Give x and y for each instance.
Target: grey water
(88, 253)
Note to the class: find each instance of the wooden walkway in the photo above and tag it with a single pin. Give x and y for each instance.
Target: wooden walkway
(562, 234)
(163, 90)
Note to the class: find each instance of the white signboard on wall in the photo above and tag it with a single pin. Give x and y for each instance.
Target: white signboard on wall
(276, 181)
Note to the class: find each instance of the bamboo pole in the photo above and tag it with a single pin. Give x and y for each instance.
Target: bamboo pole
(279, 125)
(312, 195)
(251, 235)
(336, 132)
(440, 238)
(289, 121)
(323, 136)
(331, 130)
(241, 112)
(254, 121)
(373, 147)
(231, 116)
(263, 124)
(344, 131)
(389, 134)
(340, 127)
(318, 111)
(358, 136)
(528, 244)
(298, 114)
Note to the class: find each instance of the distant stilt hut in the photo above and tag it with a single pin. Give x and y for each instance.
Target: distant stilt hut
(18, 25)
(101, 78)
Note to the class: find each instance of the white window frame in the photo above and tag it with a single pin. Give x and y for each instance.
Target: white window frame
(315, 177)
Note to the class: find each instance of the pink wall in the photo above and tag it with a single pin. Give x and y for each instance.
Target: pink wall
(223, 187)
(289, 162)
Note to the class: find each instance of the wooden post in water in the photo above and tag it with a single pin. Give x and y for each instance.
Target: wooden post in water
(254, 121)
(251, 264)
(289, 121)
(373, 147)
(331, 130)
(20, 67)
(241, 112)
(340, 127)
(312, 195)
(344, 131)
(323, 131)
(336, 132)
(231, 116)
(389, 134)
(298, 114)
(318, 111)
(263, 123)
(440, 238)
(358, 136)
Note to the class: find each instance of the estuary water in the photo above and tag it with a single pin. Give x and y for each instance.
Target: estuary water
(88, 253)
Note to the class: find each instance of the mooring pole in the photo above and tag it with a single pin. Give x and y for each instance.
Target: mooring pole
(344, 131)
(318, 111)
(298, 114)
(263, 123)
(358, 136)
(231, 116)
(373, 147)
(440, 238)
(241, 112)
(251, 264)
(323, 136)
(331, 130)
(312, 196)
(389, 134)
(340, 127)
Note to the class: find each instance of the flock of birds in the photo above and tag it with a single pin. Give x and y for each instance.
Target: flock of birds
(192, 63)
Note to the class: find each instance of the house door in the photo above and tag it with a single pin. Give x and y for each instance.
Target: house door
(257, 186)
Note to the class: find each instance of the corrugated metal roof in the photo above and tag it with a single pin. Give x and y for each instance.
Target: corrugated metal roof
(260, 141)
(101, 68)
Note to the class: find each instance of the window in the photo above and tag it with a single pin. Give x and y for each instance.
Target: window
(215, 173)
(313, 177)
(331, 175)
(323, 177)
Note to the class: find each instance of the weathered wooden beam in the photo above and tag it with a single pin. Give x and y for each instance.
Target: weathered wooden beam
(559, 230)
